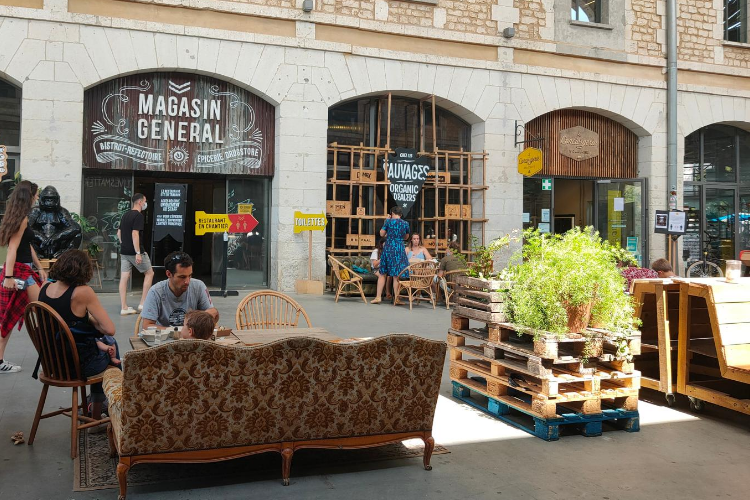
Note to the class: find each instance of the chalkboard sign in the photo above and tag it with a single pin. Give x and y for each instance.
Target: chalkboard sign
(406, 173)
(169, 211)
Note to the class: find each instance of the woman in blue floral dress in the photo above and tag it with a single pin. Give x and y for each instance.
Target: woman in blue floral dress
(393, 260)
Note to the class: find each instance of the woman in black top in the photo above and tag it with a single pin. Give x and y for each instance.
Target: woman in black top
(80, 308)
(16, 235)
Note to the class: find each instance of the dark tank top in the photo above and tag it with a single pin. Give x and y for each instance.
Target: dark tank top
(24, 248)
(62, 305)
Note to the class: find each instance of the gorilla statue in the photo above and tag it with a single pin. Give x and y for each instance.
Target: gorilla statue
(54, 229)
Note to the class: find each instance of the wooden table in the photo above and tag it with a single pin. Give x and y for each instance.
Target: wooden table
(255, 337)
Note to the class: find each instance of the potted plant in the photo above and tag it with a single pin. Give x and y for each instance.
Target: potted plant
(481, 270)
(88, 230)
(562, 282)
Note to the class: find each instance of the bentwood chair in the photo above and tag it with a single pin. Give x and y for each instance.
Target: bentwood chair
(421, 276)
(447, 285)
(343, 276)
(269, 310)
(60, 368)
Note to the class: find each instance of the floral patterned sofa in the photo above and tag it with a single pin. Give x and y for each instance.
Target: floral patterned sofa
(198, 401)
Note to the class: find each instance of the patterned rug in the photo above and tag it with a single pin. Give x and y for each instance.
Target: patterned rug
(95, 470)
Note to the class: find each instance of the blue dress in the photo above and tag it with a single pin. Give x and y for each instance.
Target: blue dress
(394, 258)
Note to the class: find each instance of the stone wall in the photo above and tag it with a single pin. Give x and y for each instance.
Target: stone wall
(645, 28)
(532, 17)
(696, 20)
(737, 57)
(416, 14)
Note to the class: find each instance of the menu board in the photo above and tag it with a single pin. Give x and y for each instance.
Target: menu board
(169, 211)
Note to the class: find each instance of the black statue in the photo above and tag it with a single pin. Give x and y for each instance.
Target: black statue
(54, 229)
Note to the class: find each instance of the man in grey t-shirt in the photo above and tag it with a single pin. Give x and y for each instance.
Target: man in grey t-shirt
(168, 301)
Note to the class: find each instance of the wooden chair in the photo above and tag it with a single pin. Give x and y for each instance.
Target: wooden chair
(138, 322)
(421, 278)
(97, 277)
(448, 285)
(269, 310)
(354, 279)
(60, 368)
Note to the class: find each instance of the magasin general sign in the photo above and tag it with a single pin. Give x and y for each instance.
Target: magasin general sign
(177, 122)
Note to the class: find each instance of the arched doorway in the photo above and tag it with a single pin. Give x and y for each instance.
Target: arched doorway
(362, 133)
(10, 138)
(716, 175)
(190, 143)
(589, 178)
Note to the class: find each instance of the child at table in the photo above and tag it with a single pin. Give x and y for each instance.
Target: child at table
(197, 325)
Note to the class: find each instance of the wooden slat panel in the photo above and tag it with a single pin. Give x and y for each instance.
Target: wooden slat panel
(618, 146)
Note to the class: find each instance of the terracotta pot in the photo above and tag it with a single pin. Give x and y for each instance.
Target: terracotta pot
(578, 317)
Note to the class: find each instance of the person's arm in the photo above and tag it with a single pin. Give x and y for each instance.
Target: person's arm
(119, 236)
(10, 258)
(137, 246)
(150, 322)
(214, 313)
(384, 231)
(427, 255)
(151, 311)
(98, 315)
(35, 258)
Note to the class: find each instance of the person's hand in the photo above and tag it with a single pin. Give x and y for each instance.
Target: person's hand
(9, 284)
(389, 216)
(138, 258)
(111, 350)
(43, 274)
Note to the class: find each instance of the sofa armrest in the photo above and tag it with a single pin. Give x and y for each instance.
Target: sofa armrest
(113, 386)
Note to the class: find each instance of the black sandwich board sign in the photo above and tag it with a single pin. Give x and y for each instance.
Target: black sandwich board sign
(406, 173)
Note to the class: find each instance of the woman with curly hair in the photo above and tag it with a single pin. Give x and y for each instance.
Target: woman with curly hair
(79, 307)
(20, 284)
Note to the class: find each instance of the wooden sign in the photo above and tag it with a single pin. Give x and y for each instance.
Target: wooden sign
(339, 207)
(3, 160)
(365, 175)
(530, 162)
(365, 240)
(579, 143)
(453, 211)
(429, 243)
(177, 122)
(361, 211)
(309, 222)
(442, 177)
(466, 211)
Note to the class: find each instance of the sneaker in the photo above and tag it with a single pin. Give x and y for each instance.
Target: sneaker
(8, 367)
(128, 311)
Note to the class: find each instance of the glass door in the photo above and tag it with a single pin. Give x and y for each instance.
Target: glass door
(620, 214)
(720, 223)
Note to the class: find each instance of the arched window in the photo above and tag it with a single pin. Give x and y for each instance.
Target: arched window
(716, 172)
(10, 137)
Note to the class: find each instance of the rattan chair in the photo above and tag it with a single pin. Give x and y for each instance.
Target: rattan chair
(421, 277)
(354, 280)
(447, 285)
(60, 368)
(269, 310)
(138, 322)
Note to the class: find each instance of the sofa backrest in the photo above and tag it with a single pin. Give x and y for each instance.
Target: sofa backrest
(193, 395)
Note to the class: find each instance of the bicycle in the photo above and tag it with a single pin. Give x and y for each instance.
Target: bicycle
(708, 267)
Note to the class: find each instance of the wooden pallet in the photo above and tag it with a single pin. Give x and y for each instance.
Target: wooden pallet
(515, 411)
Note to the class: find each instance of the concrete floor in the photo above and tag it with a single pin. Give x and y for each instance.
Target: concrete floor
(677, 454)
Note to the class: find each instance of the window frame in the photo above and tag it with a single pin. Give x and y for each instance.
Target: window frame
(744, 21)
(599, 7)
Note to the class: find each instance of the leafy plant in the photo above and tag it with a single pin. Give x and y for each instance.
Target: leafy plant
(87, 228)
(483, 259)
(554, 273)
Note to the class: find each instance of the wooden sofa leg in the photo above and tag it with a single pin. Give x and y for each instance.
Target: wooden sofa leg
(429, 446)
(122, 478)
(286, 464)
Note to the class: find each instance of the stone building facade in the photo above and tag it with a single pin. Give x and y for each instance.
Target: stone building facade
(305, 63)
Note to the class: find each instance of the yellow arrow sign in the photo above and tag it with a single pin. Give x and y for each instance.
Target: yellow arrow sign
(309, 222)
(211, 223)
(530, 161)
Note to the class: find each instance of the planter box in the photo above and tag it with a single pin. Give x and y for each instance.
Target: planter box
(482, 284)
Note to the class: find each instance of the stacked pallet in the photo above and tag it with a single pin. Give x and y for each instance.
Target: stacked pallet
(545, 379)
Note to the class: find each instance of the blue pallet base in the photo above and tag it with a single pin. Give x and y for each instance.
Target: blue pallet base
(549, 429)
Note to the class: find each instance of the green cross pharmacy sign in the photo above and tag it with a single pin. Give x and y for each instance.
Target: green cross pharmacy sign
(546, 184)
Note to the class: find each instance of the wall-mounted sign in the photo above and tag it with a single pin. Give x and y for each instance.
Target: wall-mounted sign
(406, 173)
(530, 162)
(169, 211)
(3, 159)
(546, 184)
(309, 222)
(579, 143)
(177, 122)
(223, 223)
(244, 208)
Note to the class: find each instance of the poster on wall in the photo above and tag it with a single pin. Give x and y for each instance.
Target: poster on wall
(169, 211)
(177, 122)
(406, 172)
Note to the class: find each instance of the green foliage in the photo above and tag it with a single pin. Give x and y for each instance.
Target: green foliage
(483, 259)
(88, 229)
(555, 271)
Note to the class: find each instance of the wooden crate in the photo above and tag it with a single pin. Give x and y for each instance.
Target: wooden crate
(352, 240)
(429, 243)
(339, 207)
(452, 211)
(480, 284)
(364, 175)
(361, 211)
(442, 244)
(367, 240)
(442, 177)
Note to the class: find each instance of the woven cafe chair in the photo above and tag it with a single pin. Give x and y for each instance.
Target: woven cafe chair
(269, 310)
(354, 279)
(60, 368)
(447, 285)
(421, 277)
